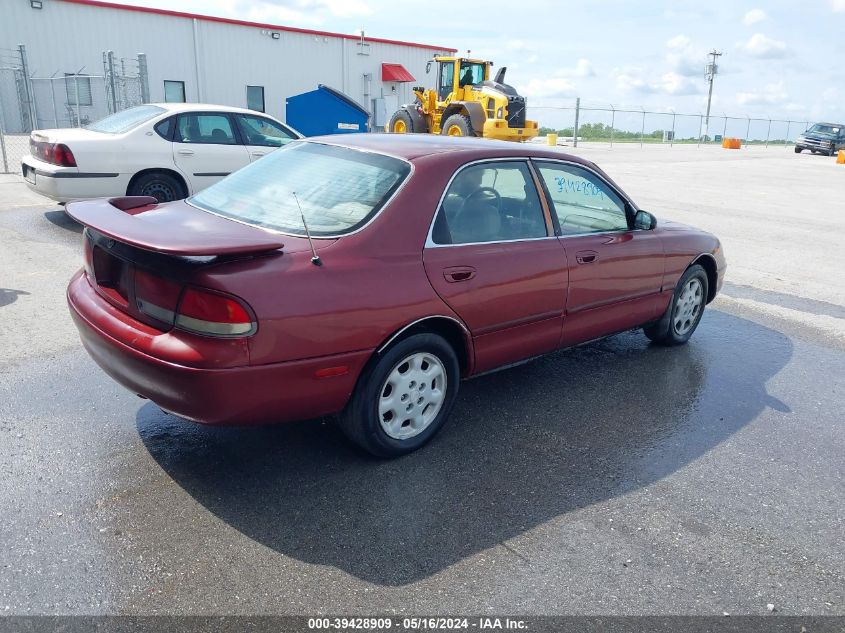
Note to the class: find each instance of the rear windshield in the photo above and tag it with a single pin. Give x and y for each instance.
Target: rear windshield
(125, 120)
(338, 189)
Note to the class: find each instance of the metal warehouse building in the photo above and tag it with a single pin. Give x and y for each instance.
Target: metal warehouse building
(82, 59)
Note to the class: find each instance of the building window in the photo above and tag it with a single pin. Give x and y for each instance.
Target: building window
(255, 98)
(84, 84)
(174, 91)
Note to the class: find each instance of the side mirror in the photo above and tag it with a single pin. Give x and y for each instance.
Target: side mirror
(644, 221)
(428, 67)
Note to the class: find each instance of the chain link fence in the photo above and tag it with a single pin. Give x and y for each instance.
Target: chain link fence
(64, 99)
(610, 124)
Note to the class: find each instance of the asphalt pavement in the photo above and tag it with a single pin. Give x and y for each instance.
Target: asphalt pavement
(618, 477)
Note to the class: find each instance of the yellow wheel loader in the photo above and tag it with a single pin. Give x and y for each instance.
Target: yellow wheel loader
(466, 103)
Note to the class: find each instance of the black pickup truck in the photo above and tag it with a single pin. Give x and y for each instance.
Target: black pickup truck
(824, 138)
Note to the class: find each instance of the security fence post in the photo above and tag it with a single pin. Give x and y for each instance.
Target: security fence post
(3, 143)
(612, 122)
(768, 132)
(27, 86)
(725, 128)
(642, 131)
(575, 129)
(111, 81)
(747, 132)
(672, 138)
(53, 97)
(788, 125)
(700, 123)
(143, 78)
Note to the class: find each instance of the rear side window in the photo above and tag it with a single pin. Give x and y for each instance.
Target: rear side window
(256, 130)
(211, 128)
(582, 201)
(491, 202)
(165, 128)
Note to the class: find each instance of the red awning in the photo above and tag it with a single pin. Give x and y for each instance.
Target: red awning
(395, 72)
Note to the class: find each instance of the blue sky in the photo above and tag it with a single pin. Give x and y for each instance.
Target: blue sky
(781, 59)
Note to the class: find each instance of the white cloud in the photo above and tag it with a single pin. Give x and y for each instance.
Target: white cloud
(672, 83)
(634, 79)
(764, 47)
(519, 45)
(772, 94)
(754, 16)
(683, 58)
(548, 87)
(838, 6)
(581, 69)
(678, 42)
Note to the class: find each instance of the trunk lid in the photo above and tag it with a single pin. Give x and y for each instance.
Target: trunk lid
(174, 228)
(66, 135)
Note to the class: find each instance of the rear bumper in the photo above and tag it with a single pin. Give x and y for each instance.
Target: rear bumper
(245, 395)
(65, 184)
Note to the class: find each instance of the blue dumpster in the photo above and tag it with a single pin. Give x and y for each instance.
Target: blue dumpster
(325, 111)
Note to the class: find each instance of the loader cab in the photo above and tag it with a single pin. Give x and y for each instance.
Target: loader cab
(456, 73)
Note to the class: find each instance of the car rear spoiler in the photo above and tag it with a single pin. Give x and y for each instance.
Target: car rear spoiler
(172, 228)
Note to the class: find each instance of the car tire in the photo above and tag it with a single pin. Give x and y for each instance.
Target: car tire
(683, 315)
(798, 150)
(160, 185)
(457, 123)
(417, 377)
(401, 123)
(832, 151)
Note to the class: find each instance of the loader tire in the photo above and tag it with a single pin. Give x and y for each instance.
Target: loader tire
(401, 123)
(457, 125)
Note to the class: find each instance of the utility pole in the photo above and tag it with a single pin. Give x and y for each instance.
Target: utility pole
(710, 71)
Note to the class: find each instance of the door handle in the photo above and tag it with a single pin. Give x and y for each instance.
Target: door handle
(185, 152)
(459, 273)
(259, 153)
(586, 257)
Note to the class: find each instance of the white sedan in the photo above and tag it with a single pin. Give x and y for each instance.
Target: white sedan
(165, 150)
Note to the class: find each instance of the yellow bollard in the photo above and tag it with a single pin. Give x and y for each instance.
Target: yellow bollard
(840, 157)
(551, 138)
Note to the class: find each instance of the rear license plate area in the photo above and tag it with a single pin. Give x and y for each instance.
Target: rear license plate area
(29, 174)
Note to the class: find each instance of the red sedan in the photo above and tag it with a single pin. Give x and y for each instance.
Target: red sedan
(367, 275)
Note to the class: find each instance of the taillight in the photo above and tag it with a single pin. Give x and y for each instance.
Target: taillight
(63, 156)
(156, 297)
(53, 153)
(213, 314)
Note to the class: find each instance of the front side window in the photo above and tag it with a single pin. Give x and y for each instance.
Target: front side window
(125, 120)
(78, 89)
(471, 73)
(339, 189)
(174, 91)
(582, 201)
(214, 129)
(490, 202)
(255, 98)
(256, 130)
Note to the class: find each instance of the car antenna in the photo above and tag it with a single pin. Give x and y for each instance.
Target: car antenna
(315, 259)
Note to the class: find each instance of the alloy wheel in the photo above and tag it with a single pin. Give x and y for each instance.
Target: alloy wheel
(688, 306)
(412, 395)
